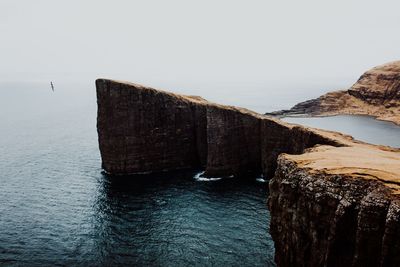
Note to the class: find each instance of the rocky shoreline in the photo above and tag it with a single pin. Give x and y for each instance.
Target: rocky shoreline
(334, 201)
(376, 94)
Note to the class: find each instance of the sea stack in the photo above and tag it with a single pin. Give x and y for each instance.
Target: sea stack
(334, 201)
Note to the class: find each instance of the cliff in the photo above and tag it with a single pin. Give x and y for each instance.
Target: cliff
(337, 206)
(376, 93)
(334, 201)
(142, 130)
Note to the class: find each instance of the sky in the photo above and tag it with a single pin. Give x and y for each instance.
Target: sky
(195, 43)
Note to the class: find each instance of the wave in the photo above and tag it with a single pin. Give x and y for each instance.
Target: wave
(198, 177)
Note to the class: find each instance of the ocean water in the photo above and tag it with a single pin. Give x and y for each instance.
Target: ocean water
(57, 208)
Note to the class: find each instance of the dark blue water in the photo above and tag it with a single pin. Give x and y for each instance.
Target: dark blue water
(56, 208)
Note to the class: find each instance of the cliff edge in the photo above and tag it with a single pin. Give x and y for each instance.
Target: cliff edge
(143, 130)
(337, 206)
(334, 201)
(376, 93)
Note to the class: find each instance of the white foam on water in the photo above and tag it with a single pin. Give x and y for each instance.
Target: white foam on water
(198, 177)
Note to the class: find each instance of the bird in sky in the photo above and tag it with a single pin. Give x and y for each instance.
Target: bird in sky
(52, 86)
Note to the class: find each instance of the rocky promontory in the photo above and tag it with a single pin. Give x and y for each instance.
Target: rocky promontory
(142, 130)
(376, 93)
(334, 201)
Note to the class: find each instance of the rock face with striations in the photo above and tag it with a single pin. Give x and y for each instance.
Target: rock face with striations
(337, 206)
(144, 130)
(376, 93)
(287, 138)
(233, 138)
(334, 201)
(147, 130)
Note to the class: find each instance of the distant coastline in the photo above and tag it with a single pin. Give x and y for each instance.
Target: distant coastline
(376, 94)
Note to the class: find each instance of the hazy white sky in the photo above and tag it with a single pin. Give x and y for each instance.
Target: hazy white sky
(195, 41)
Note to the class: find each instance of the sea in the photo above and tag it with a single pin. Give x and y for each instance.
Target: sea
(57, 207)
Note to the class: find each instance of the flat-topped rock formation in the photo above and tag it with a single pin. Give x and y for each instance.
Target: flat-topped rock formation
(376, 93)
(337, 206)
(334, 201)
(142, 130)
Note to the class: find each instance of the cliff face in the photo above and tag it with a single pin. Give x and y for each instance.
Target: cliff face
(376, 93)
(143, 130)
(146, 130)
(379, 86)
(337, 207)
(233, 139)
(334, 201)
(285, 138)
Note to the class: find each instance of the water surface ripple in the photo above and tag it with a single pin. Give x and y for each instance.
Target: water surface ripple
(57, 208)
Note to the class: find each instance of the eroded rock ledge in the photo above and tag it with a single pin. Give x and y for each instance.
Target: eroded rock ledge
(333, 201)
(376, 93)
